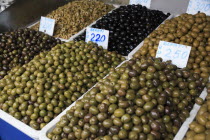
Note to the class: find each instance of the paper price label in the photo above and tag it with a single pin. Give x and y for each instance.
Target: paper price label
(47, 25)
(199, 5)
(99, 36)
(177, 53)
(146, 3)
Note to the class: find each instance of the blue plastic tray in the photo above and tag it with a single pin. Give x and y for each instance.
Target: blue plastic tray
(8, 132)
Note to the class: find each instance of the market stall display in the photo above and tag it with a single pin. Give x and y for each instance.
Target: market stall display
(186, 29)
(76, 15)
(128, 26)
(77, 90)
(142, 99)
(20, 46)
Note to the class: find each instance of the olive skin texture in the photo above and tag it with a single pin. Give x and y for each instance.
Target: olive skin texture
(38, 91)
(133, 111)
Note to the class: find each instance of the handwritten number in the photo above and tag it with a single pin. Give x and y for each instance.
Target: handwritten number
(93, 36)
(168, 53)
(103, 38)
(97, 37)
(207, 8)
(184, 55)
(177, 54)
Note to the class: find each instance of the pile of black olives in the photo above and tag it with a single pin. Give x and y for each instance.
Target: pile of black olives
(128, 26)
(199, 129)
(38, 91)
(141, 100)
(19, 47)
(186, 29)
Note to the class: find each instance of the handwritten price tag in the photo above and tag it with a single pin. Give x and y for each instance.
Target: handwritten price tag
(146, 3)
(199, 5)
(47, 25)
(178, 53)
(99, 36)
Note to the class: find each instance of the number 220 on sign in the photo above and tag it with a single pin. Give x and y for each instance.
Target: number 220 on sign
(177, 53)
(98, 36)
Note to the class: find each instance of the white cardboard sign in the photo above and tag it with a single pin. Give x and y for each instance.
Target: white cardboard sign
(146, 3)
(177, 53)
(47, 25)
(199, 5)
(99, 36)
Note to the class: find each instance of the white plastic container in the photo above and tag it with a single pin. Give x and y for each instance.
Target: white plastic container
(26, 128)
(179, 136)
(49, 127)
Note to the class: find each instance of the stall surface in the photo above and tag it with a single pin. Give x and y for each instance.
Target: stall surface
(15, 133)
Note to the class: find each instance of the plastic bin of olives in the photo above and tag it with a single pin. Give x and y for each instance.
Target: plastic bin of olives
(143, 99)
(37, 92)
(20, 46)
(76, 15)
(186, 29)
(128, 26)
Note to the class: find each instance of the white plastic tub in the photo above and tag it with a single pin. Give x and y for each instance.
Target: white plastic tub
(49, 127)
(179, 136)
(26, 128)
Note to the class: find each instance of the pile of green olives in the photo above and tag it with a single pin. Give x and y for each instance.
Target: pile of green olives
(199, 129)
(20, 46)
(143, 99)
(37, 92)
(186, 29)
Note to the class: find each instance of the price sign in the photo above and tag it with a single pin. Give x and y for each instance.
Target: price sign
(177, 53)
(199, 5)
(146, 3)
(47, 25)
(99, 36)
